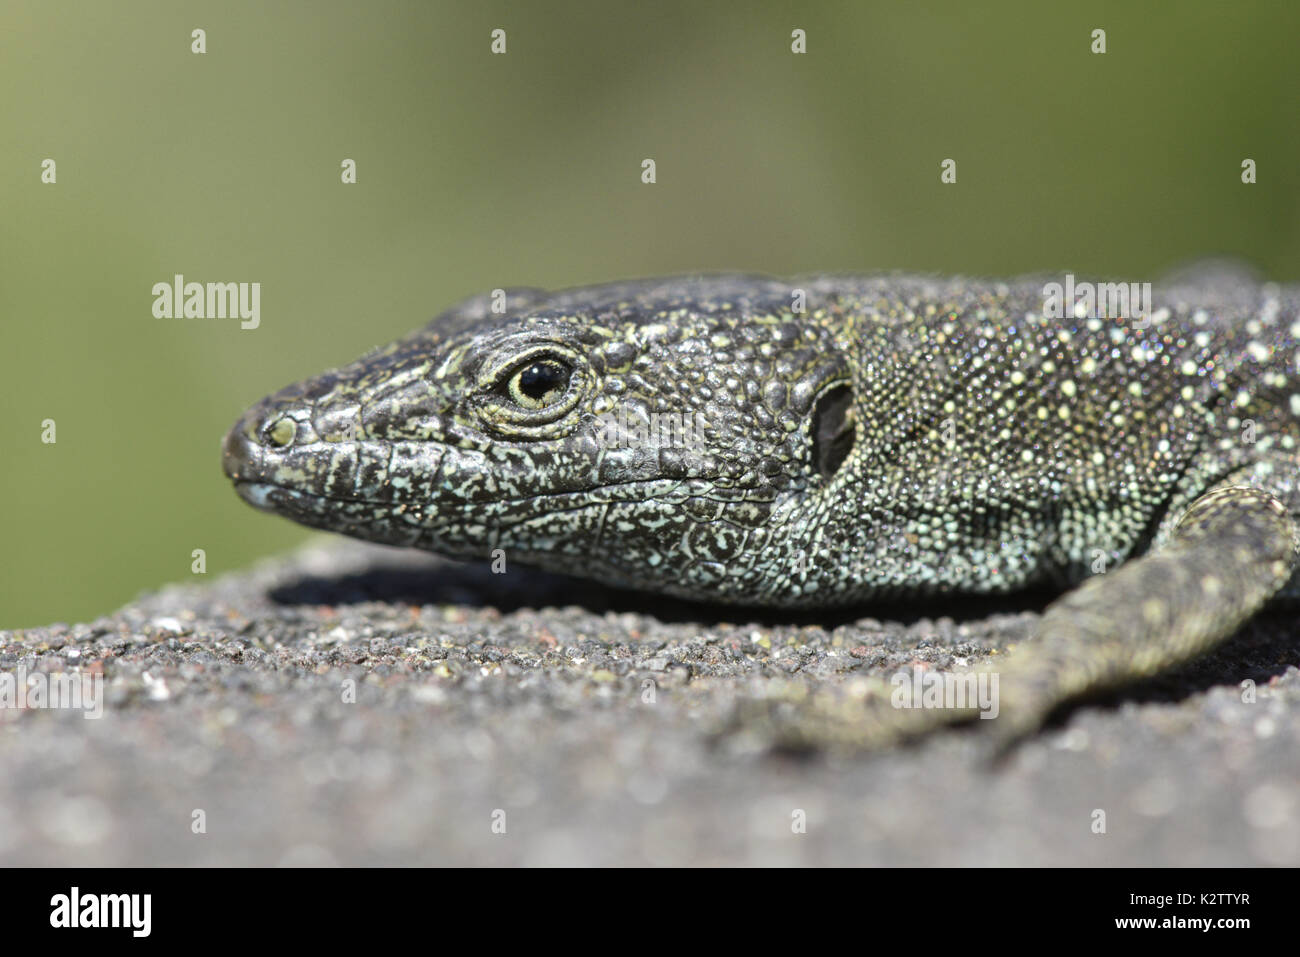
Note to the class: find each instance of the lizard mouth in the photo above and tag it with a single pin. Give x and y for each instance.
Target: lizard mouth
(306, 507)
(266, 496)
(270, 497)
(360, 518)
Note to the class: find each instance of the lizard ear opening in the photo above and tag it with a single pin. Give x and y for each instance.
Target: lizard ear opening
(833, 429)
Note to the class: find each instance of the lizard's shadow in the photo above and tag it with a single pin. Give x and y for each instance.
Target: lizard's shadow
(1264, 648)
(435, 581)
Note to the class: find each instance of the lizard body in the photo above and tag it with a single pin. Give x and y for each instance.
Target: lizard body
(830, 441)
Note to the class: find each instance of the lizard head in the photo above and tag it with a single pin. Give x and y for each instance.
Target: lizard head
(659, 435)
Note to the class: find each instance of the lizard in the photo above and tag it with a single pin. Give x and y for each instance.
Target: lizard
(848, 439)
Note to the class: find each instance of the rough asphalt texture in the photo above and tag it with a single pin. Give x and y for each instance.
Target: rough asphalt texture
(522, 693)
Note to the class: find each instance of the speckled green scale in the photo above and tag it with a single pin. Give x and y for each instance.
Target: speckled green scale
(859, 438)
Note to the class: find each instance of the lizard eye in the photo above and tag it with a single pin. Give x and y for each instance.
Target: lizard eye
(539, 384)
(526, 388)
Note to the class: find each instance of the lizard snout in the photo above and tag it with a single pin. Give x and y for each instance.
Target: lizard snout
(240, 454)
(261, 440)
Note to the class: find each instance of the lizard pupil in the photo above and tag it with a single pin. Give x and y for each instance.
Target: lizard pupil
(541, 381)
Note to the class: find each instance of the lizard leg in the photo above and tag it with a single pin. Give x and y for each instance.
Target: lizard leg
(1231, 550)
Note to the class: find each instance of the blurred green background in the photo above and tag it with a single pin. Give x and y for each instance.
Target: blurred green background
(477, 171)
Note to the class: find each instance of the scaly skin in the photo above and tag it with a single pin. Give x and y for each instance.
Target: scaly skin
(900, 437)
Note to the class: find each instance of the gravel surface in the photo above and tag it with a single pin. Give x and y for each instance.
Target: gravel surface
(350, 704)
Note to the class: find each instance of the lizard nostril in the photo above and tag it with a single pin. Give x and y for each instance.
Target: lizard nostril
(279, 432)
